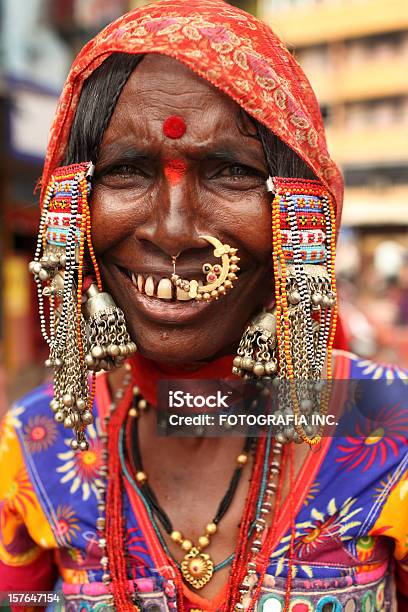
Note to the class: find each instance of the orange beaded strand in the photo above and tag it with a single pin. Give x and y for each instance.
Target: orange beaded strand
(90, 246)
(334, 289)
(80, 270)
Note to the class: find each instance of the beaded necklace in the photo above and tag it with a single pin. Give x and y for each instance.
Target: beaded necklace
(265, 488)
(197, 567)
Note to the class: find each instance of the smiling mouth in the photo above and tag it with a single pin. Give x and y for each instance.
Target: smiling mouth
(157, 287)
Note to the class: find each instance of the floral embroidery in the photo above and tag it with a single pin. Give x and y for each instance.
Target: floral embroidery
(66, 526)
(319, 530)
(81, 469)
(378, 371)
(40, 433)
(375, 440)
(19, 494)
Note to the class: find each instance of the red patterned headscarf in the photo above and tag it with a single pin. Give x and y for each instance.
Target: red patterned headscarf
(235, 52)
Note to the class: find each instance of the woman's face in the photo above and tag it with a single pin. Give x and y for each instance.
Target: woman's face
(155, 195)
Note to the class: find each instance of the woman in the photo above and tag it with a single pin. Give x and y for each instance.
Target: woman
(157, 189)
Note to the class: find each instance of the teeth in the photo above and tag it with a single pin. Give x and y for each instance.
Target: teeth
(182, 295)
(149, 286)
(164, 290)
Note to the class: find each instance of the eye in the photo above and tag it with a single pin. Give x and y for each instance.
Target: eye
(123, 175)
(238, 170)
(234, 176)
(122, 170)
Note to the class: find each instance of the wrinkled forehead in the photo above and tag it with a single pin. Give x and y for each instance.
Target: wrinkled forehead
(165, 99)
(161, 83)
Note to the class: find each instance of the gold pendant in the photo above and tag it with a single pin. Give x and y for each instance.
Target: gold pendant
(197, 568)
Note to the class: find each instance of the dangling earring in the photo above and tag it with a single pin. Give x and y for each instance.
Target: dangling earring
(219, 277)
(86, 330)
(256, 354)
(303, 232)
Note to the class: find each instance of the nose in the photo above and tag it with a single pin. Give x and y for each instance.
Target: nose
(172, 226)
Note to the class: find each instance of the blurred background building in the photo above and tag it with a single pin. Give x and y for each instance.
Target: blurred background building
(355, 53)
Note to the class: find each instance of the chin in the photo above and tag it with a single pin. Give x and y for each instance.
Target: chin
(182, 346)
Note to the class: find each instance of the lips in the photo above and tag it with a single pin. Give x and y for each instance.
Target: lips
(168, 311)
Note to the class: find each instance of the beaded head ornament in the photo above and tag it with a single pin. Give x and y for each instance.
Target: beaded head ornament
(294, 342)
(86, 331)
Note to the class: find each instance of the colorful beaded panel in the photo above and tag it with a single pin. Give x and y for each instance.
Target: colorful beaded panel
(306, 198)
(66, 189)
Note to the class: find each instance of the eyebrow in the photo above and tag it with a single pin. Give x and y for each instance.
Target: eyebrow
(220, 151)
(115, 152)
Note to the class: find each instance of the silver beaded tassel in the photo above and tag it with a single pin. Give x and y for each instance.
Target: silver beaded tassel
(109, 343)
(71, 392)
(256, 354)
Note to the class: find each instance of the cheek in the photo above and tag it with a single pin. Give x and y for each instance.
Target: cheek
(114, 217)
(253, 226)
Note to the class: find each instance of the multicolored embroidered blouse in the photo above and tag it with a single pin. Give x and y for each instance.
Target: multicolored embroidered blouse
(351, 545)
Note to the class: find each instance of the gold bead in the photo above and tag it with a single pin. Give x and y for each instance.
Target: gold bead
(176, 536)
(203, 541)
(141, 477)
(186, 545)
(133, 412)
(242, 459)
(142, 404)
(211, 528)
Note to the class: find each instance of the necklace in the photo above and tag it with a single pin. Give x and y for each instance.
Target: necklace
(248, 569)
(196, 567)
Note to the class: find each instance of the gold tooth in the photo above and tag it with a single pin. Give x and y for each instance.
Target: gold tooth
(182, 295)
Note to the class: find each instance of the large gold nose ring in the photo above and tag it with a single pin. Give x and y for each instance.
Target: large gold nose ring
(219, 277)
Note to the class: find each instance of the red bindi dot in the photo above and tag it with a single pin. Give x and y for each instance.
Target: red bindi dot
(174, 127)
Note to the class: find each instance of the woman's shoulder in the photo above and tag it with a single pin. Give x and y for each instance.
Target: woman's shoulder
(369, 449)
(30, 423)
(350, 365)
(36, 401)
